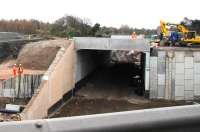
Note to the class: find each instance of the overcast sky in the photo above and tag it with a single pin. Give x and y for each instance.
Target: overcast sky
(135, 13)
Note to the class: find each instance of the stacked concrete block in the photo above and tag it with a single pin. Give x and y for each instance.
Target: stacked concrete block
(147, 70)
(169, 70)
(173, 79)
(153, 78)
(179, 75)
(188, 78)
(161, 74)
(175, 76)
(196, 73)
(167, 78)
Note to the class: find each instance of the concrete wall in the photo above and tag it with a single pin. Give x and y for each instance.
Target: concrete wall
(175, 75)
(58, 80)
(85, 64)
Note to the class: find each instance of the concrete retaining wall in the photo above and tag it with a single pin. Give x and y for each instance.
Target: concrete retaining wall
(58, 80)
(175, 75)
(85, 64)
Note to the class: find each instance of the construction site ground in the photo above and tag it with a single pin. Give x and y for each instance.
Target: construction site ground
(109, 90)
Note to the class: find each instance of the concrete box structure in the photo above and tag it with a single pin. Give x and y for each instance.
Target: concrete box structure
(71, 65)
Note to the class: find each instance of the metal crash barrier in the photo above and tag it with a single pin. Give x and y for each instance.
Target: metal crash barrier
(169, 119)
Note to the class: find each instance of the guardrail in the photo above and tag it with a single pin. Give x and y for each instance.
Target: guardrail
(169, 119)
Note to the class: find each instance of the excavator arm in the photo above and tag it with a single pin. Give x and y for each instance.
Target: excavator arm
(182, 28)
(163, 28)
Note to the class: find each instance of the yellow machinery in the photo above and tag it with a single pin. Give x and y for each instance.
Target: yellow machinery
(186, 37)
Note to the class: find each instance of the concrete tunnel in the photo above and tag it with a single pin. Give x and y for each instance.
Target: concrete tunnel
(112, 63)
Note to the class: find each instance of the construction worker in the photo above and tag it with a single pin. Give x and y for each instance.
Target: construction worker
(133, 35)
(14, 70)
(20, 69)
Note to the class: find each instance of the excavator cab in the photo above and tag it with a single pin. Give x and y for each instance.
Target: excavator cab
(191, 35)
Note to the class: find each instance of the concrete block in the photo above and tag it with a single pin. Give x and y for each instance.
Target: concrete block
(153, 89)
(189, 95)
(179, 91)
(161, 56)
(197, 89)
(179, 56)
(179, 79)
(197, 68)
(153, 84)
(189, 62)
(196, 56)
(147, 75)
(197, 79)
(161, 91)
(179, 68)
(153, 74)
(179, 98)
(153, 61)
(188, 54)
(161, 67)
(161, 79)
(173, 70)
(173, 89)
(189, 85)
(189, 74)
(147, 58)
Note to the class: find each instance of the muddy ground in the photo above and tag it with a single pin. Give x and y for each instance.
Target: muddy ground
(83, 106)
(110, 89)
(4, 101)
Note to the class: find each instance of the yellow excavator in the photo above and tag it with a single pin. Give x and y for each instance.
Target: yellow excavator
(177, 34)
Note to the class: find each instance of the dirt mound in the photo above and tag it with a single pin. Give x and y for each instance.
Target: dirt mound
(37, 59)
(39, 55)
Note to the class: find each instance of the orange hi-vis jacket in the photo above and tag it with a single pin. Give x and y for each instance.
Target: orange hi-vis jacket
(20, 70)
(14, 70)
(133, 35)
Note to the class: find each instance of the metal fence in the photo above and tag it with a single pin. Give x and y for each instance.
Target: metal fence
(20, 86)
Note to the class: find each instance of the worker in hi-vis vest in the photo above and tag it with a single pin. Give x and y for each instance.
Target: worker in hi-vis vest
(133, 35)
(14, 70)
(20, 69)
(20, 72)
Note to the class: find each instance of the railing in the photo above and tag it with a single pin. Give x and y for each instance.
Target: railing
(169, 119)
(21, 86)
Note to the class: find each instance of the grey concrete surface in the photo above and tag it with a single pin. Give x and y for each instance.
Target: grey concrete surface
(111, 44)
